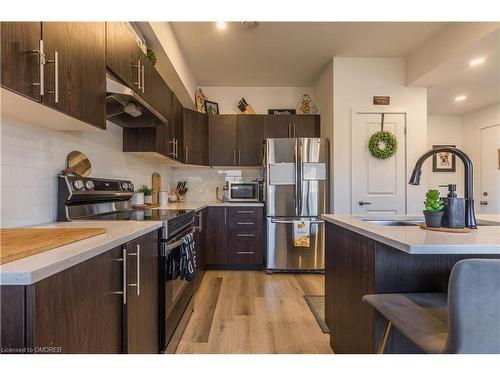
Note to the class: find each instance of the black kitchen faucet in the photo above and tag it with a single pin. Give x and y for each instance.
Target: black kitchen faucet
(470, 217)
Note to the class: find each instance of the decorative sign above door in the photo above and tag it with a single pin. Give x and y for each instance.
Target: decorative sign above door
(381, 100)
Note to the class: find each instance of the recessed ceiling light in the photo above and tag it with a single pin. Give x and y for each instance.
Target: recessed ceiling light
(476, 61)
(460, 98)
(221, 25)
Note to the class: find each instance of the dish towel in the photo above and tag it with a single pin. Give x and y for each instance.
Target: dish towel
(301, 233)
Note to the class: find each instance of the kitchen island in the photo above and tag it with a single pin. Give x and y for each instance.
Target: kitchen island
(366, 255)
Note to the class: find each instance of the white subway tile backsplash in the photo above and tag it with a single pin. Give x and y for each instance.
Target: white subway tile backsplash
(32, 156)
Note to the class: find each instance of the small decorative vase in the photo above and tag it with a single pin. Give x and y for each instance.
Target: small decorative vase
(138, 199)
(433, 219)
(148, 199)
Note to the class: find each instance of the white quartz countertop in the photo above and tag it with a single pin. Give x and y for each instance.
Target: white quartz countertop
(414, 240)
(31, 269)
(197, 206)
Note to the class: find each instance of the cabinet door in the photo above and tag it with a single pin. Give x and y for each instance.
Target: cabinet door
(245, 247)
(223, 140)
(123, 54)
(177, 130)
(142, 325)
(217, 235)
(250, 140)
(277, 126)
(306, 126)
(195, 137)
(75, 72)
(20, 67)
(155, 90)
(78, 309)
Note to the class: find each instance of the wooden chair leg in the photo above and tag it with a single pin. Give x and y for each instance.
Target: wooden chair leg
(385, 336)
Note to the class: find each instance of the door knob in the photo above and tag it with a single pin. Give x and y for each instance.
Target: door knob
(361, 203)
(484, 203)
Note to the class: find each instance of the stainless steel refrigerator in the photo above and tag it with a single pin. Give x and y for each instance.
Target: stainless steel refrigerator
(296, 177)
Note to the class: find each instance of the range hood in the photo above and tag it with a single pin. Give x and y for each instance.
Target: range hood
(126, 108)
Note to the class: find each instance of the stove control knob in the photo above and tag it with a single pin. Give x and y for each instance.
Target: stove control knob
(89, 185)
(131, 186)
(78, 184)
(124, 185)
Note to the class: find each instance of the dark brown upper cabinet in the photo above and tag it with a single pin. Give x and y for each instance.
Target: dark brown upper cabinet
(195, 137)
(292, 126)
(20, 60)
(250, 139)
(305, 126)
(176, 138)
(123, 55)
(60, 64)
(75, 69)
(155, 90)
(236, 140)
(223, 142)
(277, 126)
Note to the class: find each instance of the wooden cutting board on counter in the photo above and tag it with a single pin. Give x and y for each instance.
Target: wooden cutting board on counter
(18, 243)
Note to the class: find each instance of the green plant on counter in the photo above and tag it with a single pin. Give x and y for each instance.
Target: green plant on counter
(433, 202)
(146, 190)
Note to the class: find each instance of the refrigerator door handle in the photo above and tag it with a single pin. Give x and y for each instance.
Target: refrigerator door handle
(298, 177)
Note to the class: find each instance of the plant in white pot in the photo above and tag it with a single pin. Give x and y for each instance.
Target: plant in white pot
(434, 207)
(148, 194)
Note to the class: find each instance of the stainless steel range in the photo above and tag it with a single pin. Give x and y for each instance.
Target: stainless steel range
(84, 198)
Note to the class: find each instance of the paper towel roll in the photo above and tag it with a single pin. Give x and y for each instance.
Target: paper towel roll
(163, 197)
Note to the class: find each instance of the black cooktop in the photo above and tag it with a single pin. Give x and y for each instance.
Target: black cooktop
(142, 215)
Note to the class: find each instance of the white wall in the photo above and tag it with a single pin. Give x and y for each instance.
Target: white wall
(472, 123)
(323, 96)
(33, 155)
(356, 81)
(260, 98)
(445, 130)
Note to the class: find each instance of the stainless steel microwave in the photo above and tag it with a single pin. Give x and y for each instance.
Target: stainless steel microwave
(243, 192)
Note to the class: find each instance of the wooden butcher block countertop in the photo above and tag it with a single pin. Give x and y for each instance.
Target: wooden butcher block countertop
(18, 243)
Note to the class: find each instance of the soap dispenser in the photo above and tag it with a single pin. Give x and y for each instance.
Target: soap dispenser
(454, 209)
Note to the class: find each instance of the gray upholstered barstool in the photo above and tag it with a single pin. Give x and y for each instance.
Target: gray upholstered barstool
(467, 320)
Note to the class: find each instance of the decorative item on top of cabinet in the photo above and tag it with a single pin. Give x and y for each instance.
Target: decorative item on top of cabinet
(245, 108)
(199, 98)
(211, 108)
(306, 105)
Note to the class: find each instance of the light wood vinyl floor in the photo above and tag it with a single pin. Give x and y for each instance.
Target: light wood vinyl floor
(252, 312)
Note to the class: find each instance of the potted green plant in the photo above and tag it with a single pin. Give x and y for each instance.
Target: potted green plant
(434, 207)
(148, 194)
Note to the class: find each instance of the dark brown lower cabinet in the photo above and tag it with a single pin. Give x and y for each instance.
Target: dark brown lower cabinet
(82, 310)
(141, 333)
(235, 237)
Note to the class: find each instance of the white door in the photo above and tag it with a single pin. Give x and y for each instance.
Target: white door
(490, 170)
(377, 186)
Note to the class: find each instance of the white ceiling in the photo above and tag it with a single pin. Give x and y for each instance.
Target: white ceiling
(289, 53)
(481, 83)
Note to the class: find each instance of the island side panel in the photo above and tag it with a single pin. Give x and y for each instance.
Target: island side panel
(349, 274)
(12, 319)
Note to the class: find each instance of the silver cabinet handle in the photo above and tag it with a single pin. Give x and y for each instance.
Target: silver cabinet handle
(245, 223)
(225, 215)
(234, 156)
(245, 252)
(200, 221)
(291, 221)
(142, 78)
(239, 157)
(41, 64)
(245, 212)
(124, 275)
(138, 66)
(245, 235)
(56, 76)
(176, 148)
(137, 283)
(173, 147)
(186, 156)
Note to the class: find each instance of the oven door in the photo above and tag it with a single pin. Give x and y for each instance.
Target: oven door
(175, 293)
(243, 192)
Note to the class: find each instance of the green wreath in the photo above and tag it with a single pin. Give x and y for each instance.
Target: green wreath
(386, 138)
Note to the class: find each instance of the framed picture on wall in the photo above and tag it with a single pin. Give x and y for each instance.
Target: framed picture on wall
(211, 108)
(443, 161)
